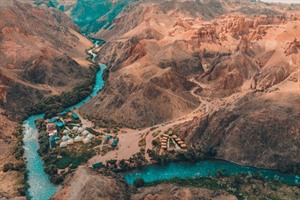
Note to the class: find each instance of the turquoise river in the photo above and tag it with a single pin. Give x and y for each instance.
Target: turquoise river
(153, 173)
(42, 189)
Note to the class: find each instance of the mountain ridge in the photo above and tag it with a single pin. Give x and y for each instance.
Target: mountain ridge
(231, 58)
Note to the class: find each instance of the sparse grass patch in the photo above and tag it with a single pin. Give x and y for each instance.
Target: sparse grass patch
(156, 133)
(96, 133)
(142, 142)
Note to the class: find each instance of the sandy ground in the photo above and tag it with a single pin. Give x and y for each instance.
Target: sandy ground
(85, 123)
(128, 146)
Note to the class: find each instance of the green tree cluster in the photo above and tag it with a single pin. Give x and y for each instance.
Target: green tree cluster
(57, 103)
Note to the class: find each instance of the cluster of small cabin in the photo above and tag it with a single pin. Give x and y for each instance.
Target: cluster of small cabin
(77, 134)
(67, 136)
(164, 142)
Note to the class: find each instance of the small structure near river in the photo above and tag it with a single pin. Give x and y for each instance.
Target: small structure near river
(69, 133)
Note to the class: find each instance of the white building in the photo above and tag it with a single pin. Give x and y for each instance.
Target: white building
(70, 141)
(65, 138)
(78, 138)
(86, 140)
(63, 144)
(90, 136)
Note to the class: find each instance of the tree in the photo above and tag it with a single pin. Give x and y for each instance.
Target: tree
(139, 182)
(8, 167)
(155, 143)
(112, 162)
(123, 165)
(180, 156)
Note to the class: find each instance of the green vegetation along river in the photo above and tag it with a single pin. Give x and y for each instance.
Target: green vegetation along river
(40, 187)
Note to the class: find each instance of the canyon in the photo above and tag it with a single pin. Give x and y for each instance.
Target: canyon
(225, 73)
(89, 15)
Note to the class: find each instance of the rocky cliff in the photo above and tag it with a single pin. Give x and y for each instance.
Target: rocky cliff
(260, 129)
(89, 15)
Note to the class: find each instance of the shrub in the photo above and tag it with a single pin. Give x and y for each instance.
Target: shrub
(51, 169)
(92, 131)
(139, 182)
(18, 151)
(154, 134)
(56, 179)
(155, 143)
(123, 165)
(96, 142)
(64, 162)
(22, 191)
(8, 167)
(115, 131)
(142, 142)
(220, 173)
(20, 166)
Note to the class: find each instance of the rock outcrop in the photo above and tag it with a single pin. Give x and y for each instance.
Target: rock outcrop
(88, 184)
(90, 16)
(292, 47)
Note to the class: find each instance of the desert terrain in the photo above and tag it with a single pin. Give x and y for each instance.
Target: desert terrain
(224, 74)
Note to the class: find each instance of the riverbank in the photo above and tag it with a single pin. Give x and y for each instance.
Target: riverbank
(141, 147)
(39, 183)
(106, 184)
